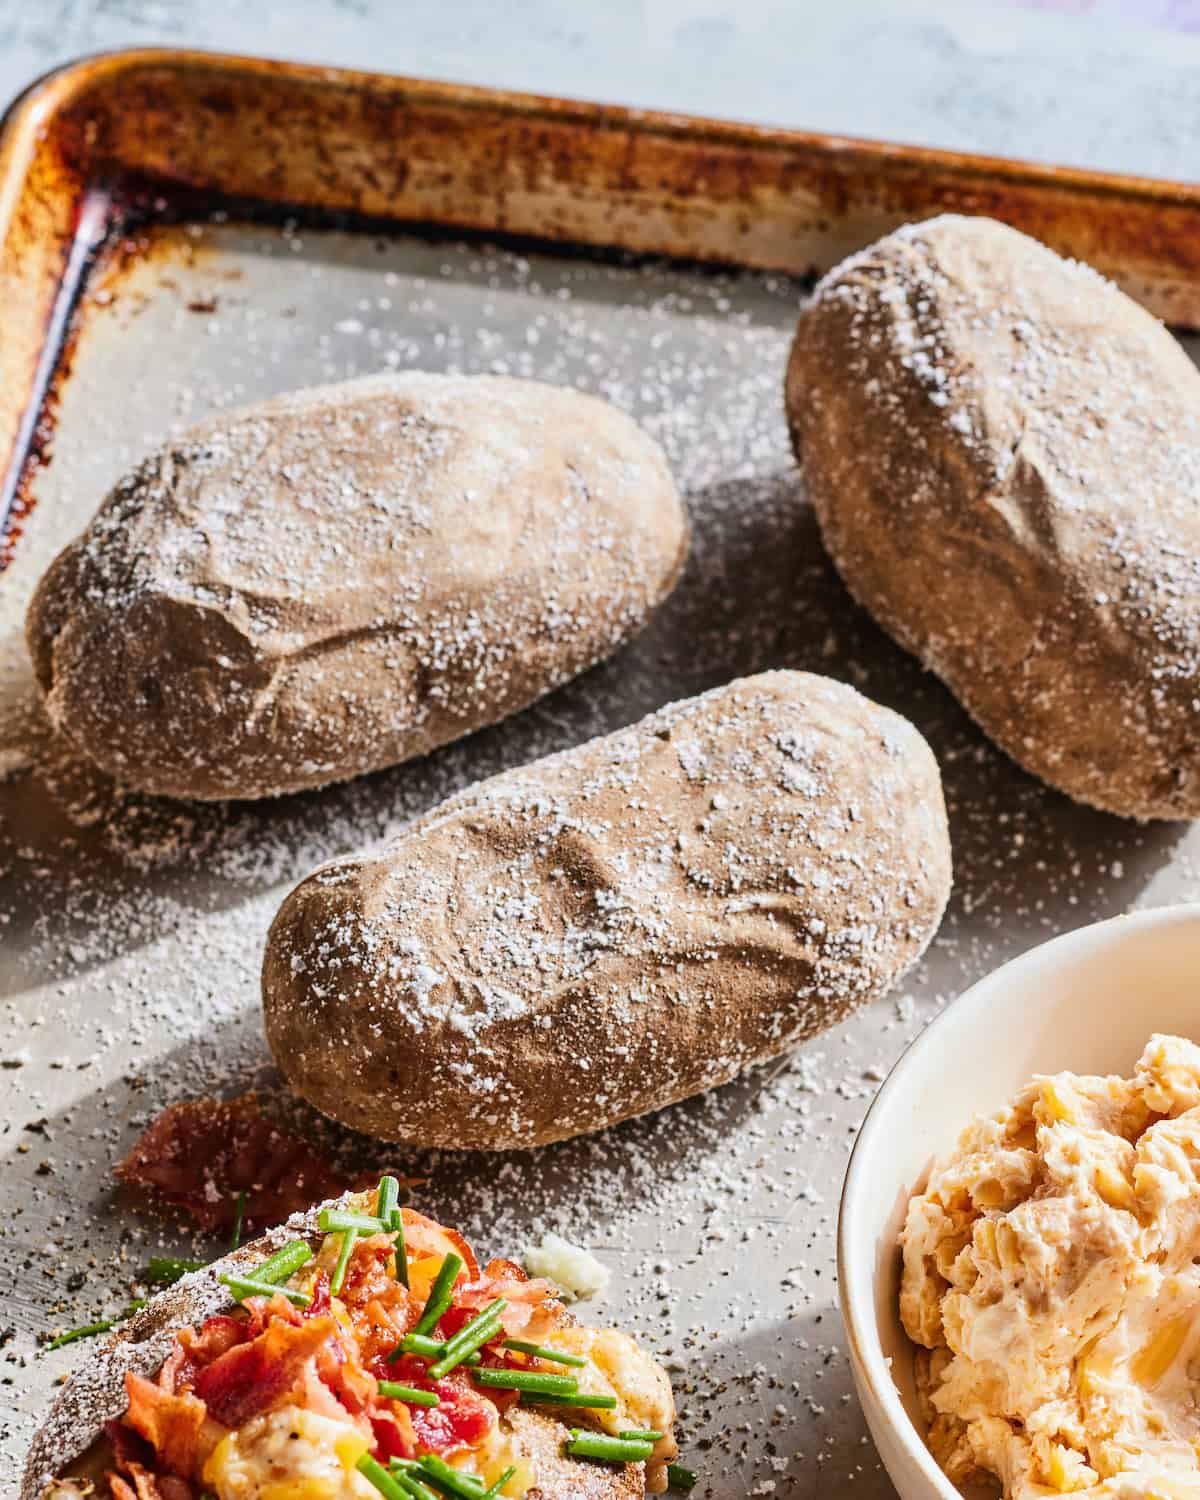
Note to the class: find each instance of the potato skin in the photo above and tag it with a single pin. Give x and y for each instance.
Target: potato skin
(95, 1393)
(344, 578)
(616, 927)
(1003, 451)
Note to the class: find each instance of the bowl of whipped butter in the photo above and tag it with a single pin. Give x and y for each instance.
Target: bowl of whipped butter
(1019, 1236)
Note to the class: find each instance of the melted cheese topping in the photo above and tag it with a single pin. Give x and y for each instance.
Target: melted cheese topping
(1051, 1275)
(290, 1454)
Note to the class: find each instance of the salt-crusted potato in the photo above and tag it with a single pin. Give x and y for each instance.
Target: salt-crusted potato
(616, 927)
(72, 1454)
(344, 578)
(1004, 455)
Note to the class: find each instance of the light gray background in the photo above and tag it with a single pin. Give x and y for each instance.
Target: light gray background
(1107, 83)
(760, 1356)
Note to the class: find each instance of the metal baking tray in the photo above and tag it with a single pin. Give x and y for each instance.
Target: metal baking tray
(182, 232)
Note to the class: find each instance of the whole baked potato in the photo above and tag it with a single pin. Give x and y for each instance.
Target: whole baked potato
(343, 578)
(616, 927)
(1003, 451)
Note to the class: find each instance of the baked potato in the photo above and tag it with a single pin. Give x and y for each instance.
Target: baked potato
(613, 928)
(1003, 451)
(344, 578)
(313, 1363)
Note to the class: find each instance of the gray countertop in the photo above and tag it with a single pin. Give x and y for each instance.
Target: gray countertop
(1105, 83)
(130, 940)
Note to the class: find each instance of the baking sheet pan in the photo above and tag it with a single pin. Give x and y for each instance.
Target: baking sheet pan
(131, 929)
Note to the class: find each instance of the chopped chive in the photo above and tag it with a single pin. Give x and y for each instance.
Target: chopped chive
(679, 1478)
(386, 1199)
(449, 1481)
(343, 1260)
(469, 1338)
(387, 1207)
(90, 1330)
(579, 1398)
(494, 1489)
(253, 1286)
(165, 1270)
(613, 1450)
(238, 1215)
(409, 1393)
(403, 1472)
(285, 1262)
(441, 1294)
(417, 1343)
(333, 1220)
(648, 1435)
(542, 1351)
(528, 1380)
(387, 1484)
(427, 1348)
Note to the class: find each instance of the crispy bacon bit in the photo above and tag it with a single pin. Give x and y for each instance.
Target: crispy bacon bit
(532, 1308)
(127, 1447)
(255, 1377)
(393, 1433)
(428, 1238)
(367, 1275)
(146, 1486)
(132, 1454)
(506, 1270)
(194, 1350)
(170, 1424)
(341, 1371)
(463, 1419)
(200, 1155)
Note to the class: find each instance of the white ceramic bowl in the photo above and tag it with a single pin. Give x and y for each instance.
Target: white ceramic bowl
(1087, 1002)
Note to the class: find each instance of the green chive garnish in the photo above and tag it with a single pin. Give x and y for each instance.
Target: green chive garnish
(238, 1215)
(427, 1348)
(343, 1260)
(646, 1436)
(165, 1270)
(285, 1262)
(580, 1398)
(387, 1485)
(528, 1380)
(387, 1207)
(679, 1478)
(448, 1480)
(387, 1199)
(441, 1294)
(253, 1286)
(409, 1393)
(418, 1343)
(541, 1351)
(493, 1490)
(334, 1220)
(613, 1450)
(403, 1471)
(90, 1330)
(469, 1338)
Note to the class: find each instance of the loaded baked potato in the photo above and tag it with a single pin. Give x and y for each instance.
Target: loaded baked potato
(358, 1351)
